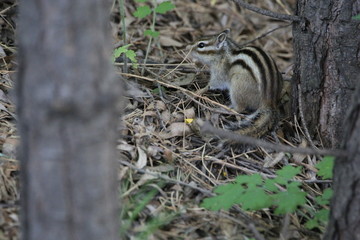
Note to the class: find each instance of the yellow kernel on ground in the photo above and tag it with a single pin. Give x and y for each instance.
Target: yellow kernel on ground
(189, 120)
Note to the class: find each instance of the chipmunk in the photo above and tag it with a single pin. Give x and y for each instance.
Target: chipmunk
(249, 74)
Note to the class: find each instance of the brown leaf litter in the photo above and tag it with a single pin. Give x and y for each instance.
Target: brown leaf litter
(167, 170)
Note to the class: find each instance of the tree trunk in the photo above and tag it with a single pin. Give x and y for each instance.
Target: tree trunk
(327, 66)
(68, 102)
(345, 204)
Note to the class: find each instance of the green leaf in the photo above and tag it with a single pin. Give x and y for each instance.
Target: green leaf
(311, 224)
(288, 172)
(270, 185)
(142, 11)
(289, 200)
(140, 1)
(120, 50)
(131, 55)
(156, 91)
(229, 193)
(326, 167)
(327, 194)
(250, 180)
(323, 215)
(320, 218)
(164, 7)
(151, 33)
(128, 53)
(294, 186)
(254, 199)
(223, 189)
(357, 17)
(324, 199)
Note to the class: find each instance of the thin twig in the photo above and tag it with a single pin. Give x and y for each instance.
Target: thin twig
(256, 233)
(268, 13)
(206, 192)
(235, 220)
(152, 27)
(207, 128)
(231, 111)
(159, 64)
(214, 110)
(229, 165)
(6, 9)
(284, 234)
(265, 34)
(178, 64)
(123, 17)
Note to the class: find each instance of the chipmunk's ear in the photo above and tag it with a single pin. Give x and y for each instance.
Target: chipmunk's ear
(221, 38)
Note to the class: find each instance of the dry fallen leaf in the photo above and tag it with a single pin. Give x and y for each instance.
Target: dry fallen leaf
(176, 129)
(169, 42)
(160, 105)
(184, 80)
(272, 161)
(166, 116)
(124, 146)
(154, 152)
(162, 168)
(9, 147)
(168, 155)
(142, 158)
(189, 113)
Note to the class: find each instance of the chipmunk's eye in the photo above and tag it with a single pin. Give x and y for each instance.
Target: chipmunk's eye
(201, 45)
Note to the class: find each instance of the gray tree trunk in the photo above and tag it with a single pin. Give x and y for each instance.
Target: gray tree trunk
(345, 204)
(327, 53)
(327, 65)
(68, 102)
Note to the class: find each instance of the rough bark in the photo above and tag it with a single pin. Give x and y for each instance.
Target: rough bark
(67, 100)
(327, 52)
(345, 205)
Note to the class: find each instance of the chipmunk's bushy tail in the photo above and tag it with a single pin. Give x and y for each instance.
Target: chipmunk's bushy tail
(258, 123)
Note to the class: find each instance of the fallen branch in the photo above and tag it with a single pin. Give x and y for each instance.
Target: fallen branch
(207, 128)
(268, 13)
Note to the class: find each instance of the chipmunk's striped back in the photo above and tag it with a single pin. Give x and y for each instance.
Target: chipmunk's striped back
(250, 75)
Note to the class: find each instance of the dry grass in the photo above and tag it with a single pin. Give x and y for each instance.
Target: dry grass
(166, 169)
(9, 166)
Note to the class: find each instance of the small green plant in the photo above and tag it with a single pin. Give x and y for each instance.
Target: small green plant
(141, 12)
(325, 167)
(255, 193)
(144, 11)
(130, 54)
(321, 217)
(135, 204)
(282, 193)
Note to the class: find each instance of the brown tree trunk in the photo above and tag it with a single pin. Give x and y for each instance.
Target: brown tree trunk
(345, 204)
(327, 65)
(327, 68)
(67, 100)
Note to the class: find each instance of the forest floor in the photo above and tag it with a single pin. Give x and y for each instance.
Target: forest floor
(165, 170)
